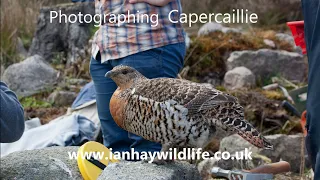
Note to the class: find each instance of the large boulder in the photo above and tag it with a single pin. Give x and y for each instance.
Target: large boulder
(266, 63)
(55, 36)
(55, 163)
(146, 171)
(238, 78)
(50, 163)
(286, 147)
(30, 76)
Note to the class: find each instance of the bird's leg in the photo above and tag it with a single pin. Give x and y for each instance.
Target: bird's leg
(165, 149)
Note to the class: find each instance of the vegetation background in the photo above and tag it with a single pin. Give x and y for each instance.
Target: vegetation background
(18, 17)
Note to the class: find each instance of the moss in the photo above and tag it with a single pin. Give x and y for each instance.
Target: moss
(221, 88)
(93, 30)
(276, 95)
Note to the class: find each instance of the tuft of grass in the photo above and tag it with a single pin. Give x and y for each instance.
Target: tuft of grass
(33, 102)
(221, 88)
(275, 95)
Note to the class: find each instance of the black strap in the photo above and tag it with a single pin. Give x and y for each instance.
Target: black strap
(97, 163)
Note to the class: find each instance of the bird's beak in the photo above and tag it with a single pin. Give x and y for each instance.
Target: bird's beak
(108, 74)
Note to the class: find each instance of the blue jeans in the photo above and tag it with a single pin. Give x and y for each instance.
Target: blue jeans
(311, 12)
(165, 61)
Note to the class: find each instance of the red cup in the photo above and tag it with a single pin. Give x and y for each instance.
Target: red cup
(297, 29)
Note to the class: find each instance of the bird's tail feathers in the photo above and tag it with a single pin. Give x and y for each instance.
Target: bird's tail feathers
(245, 130)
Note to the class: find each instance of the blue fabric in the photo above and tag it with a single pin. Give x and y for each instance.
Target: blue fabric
(165, 61)
(311, 12)
(11, 115)
(69, 130)
(86, 94)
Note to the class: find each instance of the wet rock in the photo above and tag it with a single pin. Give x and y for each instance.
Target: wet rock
(238, 78)
(266, 63)
(30, 76)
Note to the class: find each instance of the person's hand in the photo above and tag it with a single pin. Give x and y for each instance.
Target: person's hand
(152, 2)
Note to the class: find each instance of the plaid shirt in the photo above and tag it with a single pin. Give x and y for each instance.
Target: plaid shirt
(114, 41)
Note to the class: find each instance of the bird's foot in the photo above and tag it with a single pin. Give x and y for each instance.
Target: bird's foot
(158, 161)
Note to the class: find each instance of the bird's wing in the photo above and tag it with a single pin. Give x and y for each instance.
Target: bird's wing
(195, 97)
(203, 100)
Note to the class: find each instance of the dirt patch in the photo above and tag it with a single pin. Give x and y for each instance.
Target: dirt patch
(44, 114)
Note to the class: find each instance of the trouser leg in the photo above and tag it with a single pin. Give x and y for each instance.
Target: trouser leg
(311, 12)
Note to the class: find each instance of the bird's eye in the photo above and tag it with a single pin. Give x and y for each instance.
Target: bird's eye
(124, 72)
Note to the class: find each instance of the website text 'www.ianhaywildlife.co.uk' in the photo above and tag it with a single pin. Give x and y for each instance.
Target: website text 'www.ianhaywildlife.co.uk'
(172, 154)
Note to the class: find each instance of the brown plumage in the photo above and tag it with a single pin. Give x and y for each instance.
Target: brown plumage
(175, 112)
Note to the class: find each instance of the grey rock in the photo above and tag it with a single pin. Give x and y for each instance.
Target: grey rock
(62, 98)
(188, 41)
(50, 163)
(269, 43)
(266, 63)
(213, 78)
(286, 37)
(239, 77)
(2, 69)
(30, 76)
(146, 171)
(213, 27)
(286, 147)
(80, 82)
(53, 37)
(289, 38)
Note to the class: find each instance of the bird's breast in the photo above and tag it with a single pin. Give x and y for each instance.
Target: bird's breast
(117, 108)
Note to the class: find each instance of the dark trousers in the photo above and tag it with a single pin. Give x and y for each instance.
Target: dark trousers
(311, 12)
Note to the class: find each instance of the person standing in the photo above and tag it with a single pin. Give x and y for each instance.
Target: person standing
(11, 116)
(154, 49)
(311, 13)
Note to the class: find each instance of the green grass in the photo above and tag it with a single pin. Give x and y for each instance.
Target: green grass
(33, 102)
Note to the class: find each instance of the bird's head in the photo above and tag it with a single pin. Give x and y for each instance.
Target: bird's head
(124, 76)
